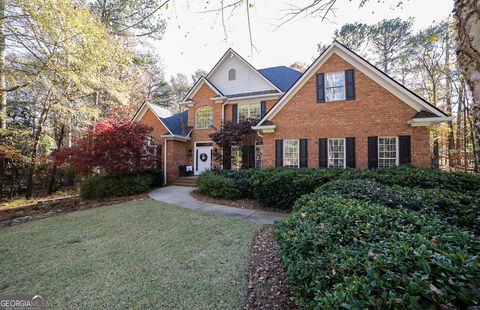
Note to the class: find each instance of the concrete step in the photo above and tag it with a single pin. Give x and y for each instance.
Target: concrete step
(190, 181)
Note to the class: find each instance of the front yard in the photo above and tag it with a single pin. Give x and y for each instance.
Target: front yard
(138, 254)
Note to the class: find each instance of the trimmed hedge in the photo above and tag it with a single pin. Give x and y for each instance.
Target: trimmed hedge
(456, 208)
(280, 187)
(242, 179)
(217, 186)
(345, 253)
(114, 186)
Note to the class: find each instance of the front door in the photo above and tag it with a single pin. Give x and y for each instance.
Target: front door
(203, 157)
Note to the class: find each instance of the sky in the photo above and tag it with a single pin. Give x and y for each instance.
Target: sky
(196, 40)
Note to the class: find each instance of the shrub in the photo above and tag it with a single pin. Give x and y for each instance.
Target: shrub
(242, 179)
(456, 208)
(345, 253)
(366, 190)
(114, 186)
(217, 186)
(280, 187)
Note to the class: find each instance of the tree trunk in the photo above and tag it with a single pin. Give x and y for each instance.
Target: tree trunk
(51, 183)
(448, 100)
(3, 83)
(33, 156)
(458, 136)
(467, 16)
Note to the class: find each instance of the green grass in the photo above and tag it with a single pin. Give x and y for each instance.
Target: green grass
(141, 254)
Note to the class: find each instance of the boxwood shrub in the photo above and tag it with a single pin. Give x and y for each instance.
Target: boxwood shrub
(242, 179)
(114, 186)
(350, 254)
(217, 186)
(461, 209)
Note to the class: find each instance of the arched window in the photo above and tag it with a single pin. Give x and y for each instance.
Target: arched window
(204, 117)
(232, 74)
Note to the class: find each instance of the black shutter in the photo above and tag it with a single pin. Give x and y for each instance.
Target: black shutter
(263, 108)
(350, 84)
(320, 87)
(159, 156)
(227, 158)
(234, 113)
(350, 152)
(323, 152)
(303, 153)
(372, 152)
(278, 153)
(405, 156)
(248, 156)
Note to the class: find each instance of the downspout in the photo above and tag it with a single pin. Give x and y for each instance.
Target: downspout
(165, 164)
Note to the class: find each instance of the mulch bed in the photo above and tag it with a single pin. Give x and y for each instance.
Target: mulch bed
(266, 278)
(239, 203)
(43, 209)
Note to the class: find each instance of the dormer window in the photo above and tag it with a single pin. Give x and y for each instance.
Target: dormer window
(232, 74)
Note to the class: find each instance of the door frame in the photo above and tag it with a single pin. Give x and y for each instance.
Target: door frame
(195, 155)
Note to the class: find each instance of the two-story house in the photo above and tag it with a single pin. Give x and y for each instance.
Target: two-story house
(341, 112)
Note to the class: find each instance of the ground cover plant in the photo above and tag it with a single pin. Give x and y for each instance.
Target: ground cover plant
(346, 253)
(140, 254)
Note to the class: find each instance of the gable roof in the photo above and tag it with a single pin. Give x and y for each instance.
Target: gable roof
(158, 111)
(202, 80)
(228, 53)
(177, 124)
(397, 89)
(283, 77)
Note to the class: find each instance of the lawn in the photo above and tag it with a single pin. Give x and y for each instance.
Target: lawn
(141, 254)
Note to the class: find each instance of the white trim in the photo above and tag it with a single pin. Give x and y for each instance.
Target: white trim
(231, 51)
(408, 98)
(165, 163)
(397, 149)
(298, 151)
(176, 137)
(265, 128)
(263, 96)
(196, 87)
(195, 155)
(344, 152)
(142, 112)
(426, 121)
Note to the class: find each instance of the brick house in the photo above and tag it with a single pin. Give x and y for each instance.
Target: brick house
(341, 112)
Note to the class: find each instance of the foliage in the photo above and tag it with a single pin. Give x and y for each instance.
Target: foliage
(242, 179)
(213, 185)
(115, 146)
(115, 186)
(342, 253)
(233, 133)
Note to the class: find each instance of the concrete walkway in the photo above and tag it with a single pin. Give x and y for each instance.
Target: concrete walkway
(180, 196)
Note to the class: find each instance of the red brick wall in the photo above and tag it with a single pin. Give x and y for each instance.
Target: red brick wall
(177, 155)
(375, 112)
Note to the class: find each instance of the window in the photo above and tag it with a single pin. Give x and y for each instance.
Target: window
(387, 152)
(336, 153)
(335, 86)
(258, 155)
(248, 111)
(291, 154)
(236, 158)
(232, 74)
(204, 117)
(151, 146)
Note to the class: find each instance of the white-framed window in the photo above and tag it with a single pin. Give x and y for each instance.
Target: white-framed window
(336, 153)
(387, 152)
(258, 155)
(204, 117)
(232, 75)
(249, 111)
(335, 86)
(291, 153)
(236, 157)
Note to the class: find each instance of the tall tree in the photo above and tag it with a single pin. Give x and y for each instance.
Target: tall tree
(3, 85)
(180, 86)
(198, 74)
(389, 39)
(355, 36)
(467, 16)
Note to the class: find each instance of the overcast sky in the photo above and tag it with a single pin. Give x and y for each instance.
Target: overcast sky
(196, 40)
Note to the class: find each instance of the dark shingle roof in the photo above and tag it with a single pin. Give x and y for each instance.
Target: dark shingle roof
(282, 77)
(256, 93)
(424, 114)
(177, 123)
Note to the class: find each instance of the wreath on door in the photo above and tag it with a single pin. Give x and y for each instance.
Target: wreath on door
(203, 157)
